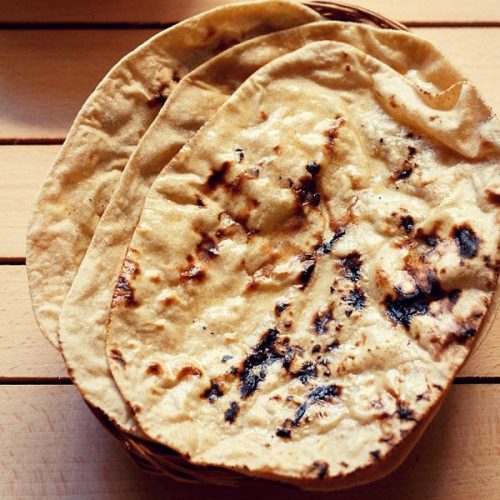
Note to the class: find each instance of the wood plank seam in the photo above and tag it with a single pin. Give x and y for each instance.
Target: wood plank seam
(30, 141)
(12, 261)
(35, 381)
(153, 25)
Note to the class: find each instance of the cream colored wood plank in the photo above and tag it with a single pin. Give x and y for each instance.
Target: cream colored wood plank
(24, 351)
(45, 75)
(22, 169)
(154, 11)
(42, 89)
(53, 447)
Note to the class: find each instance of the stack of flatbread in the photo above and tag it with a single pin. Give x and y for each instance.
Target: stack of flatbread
(270, 241)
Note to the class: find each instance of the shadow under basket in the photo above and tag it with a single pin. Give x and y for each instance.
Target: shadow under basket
(161, 460)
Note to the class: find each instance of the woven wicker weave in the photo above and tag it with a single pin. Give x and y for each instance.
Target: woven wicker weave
(158, 459)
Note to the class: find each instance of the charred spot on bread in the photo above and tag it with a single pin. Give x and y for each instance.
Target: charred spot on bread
(283, 433)
(240, 154)
(306, 275)
(193, 273)
(217, 177)
(117, 355)
(406, 169)
(324, 393)
(404, 306)
(214, 392)
(332, 346)
(405, 172)
(199, 201)
(307, 371)
(321, 320)
(319, 468)
(207, 248)
(124, 291)
(232, 412)
(407, 223)
(327, 246)
(352, 266)
(306, 191)
(356, 298)
(466, 240)
(331, 135)
(462, 335)
(403, 412)
(313, 168)
(254, 369)
(299, 414)
(279, 308)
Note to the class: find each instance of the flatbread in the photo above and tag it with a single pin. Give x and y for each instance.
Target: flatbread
(83, 319)
(304, 323)
(108, 128)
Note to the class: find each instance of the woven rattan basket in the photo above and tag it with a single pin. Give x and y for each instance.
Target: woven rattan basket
(158, 459)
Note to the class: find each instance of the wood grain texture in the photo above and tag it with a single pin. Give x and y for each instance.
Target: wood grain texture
(26, 353)
(165, 11)
(53, 447)
(47, 75)
(22, 169)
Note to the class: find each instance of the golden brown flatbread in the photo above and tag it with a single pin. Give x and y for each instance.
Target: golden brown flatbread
(83, 319)
(310, 271)
(109, 127)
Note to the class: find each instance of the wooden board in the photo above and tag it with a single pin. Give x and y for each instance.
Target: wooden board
(42, 90)
(22, 169)
(40, 97)
(53, 447)
(26, 353)
(166, 11)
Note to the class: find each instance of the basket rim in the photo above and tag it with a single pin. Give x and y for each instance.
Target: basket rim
(353, 13)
